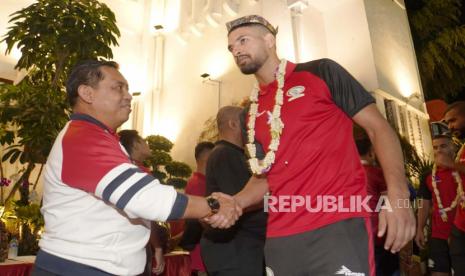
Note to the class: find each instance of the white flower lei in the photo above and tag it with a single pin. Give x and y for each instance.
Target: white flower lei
(276, 127)
(457, 160)
(443, 211)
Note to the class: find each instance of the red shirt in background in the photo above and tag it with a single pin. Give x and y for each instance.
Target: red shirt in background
(375, 186)
(448, 191)
(459, 221)
(196, 185)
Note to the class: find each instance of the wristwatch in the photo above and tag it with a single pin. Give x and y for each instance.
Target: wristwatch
(214, 204)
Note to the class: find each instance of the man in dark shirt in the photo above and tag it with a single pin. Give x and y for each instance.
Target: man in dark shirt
(238, 250)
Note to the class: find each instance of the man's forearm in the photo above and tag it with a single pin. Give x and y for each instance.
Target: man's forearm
(387, 148)
(253, 192)
(423, 212)
(197, 207)
(389, 154)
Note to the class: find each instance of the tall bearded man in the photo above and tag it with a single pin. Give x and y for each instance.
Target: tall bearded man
(455, 119)
(301, 116)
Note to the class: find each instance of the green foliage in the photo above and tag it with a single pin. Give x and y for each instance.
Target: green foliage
(164, 168)
(439, 40)
(31, 215)
(210, 131)
(416, 167)
(159, 158)
(159, 143)
(178, 183)
(178, 169)
(37, 113)
(161, 176)
(54, 34)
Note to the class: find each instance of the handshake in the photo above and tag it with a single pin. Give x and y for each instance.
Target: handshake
(227, 214)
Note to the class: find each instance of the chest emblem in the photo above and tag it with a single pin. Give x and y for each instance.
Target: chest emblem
(295, 93)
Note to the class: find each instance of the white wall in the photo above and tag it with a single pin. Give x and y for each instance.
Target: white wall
(393, 51)
(348, 40)
(7, 62)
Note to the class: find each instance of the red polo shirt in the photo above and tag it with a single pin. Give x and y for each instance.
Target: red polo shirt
(459, 221)
(317, 155)
(196, 185)
(448, 191)
(375, 186)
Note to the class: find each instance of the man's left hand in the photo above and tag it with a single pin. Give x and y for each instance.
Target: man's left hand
(399, 223)
(160, 261)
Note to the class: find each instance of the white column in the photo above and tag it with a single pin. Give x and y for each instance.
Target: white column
(296, 7)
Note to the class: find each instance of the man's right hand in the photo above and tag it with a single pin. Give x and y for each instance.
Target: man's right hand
(228, 213)
(420, 239)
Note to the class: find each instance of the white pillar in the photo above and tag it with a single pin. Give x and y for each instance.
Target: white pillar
(296, 7)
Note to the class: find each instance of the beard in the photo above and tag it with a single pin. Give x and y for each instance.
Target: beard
(253, 66)
(250, 68)
(460, 134)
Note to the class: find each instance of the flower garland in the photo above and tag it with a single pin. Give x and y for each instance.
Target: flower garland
(459, 154)
(457, 160)
(276, 126)
(443, 211)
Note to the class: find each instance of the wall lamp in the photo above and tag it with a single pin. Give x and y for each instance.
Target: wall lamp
(206, 79)
(158, 27)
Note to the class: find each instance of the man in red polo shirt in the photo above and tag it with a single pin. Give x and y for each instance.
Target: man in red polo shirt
(439, 191)
(455, 119)
(196, 185)
(301, 116)
(386, 262)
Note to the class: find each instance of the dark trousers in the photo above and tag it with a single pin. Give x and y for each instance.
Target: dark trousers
(37, 271)
(457, 251)
(341, 248)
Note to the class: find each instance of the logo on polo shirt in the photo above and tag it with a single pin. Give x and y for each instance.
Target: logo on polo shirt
(347, 272)
(295, 92)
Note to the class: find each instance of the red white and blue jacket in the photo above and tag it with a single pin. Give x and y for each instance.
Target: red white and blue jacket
(96, 202)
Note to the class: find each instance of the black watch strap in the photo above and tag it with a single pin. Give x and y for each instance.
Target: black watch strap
(214, 204)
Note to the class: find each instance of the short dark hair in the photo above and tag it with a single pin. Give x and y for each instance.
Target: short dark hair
(460, 105)
(202, 147)
(85, 73)
(363, 146)
(127, 138)
(263, 29)
(442, 135)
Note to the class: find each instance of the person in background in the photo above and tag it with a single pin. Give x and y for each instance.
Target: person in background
(136, 147)
(387, 263)
(95, 200)
(196, 185)
(238, 250)
(454, 117)
(438, 193)
(139, 151)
